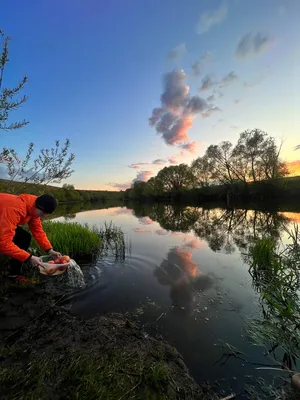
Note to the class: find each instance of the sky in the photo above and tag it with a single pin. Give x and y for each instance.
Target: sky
(138, 85)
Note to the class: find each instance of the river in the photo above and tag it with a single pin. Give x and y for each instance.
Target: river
(186, 278)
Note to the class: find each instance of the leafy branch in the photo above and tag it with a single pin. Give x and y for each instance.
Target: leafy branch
(8, 102)
(51, 165)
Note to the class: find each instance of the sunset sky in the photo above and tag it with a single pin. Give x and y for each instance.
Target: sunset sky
(202, 71)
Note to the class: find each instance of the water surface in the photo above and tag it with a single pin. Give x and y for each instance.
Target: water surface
(187, 279)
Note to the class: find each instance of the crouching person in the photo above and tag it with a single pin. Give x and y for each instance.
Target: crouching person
(14, 240)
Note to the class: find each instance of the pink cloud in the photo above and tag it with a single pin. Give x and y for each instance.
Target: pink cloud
(121, 186)
(178, 109)
(185, 259)
(210, 111)
(176, 159)
(143, 176)
(193, 243)
(145, 221)
(191, 147)
(159, 161)
(190, 240)
(178, 134)
(109, 211)
(142, 230)
(161, 232)
(122, 211)
(173, 160)
(139, 165)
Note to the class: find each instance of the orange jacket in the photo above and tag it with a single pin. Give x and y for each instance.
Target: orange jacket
(14, 211)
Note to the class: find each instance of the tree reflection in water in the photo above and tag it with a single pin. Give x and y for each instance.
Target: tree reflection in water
(224, 229)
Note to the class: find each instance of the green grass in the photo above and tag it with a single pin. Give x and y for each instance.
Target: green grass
(113, 376)
(71, 238)
(264, 257)
(276, 277)
(74, 239)
(264, 391)
(276, 274)
(113, 241)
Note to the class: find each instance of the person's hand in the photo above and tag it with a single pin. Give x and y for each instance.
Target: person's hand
(54, 253)
(35, 261)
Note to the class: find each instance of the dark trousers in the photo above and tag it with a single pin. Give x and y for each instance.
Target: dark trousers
(22, 239)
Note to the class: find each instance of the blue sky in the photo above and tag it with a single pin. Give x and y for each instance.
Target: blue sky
(96, 71)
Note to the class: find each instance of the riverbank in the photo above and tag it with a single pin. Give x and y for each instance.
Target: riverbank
(46, 353)
(280, 189)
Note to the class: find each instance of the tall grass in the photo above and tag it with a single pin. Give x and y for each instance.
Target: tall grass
(276, 277)
(276, 274)
(113, 241)
(75, 239)
(265, 391)
(71, 238)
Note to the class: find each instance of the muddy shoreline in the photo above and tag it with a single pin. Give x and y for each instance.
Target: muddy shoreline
(38, 333)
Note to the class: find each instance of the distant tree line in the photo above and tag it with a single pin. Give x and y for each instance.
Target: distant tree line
(254, 158)
(65, 194)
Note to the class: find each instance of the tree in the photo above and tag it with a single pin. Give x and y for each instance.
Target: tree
(86, 196)
(260, 156)
(8, 100)
(250, 147)
(150, 187)
(271, 165)
(175, 178)
(220, 158)
(50, 166)
(67, 186)
(201, 168)
(72, 195)
(138, 188)
(255, 157)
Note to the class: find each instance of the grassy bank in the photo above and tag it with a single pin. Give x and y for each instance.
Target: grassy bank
(59, 356)
(61, 194)
(78, 240)
(77, 375)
